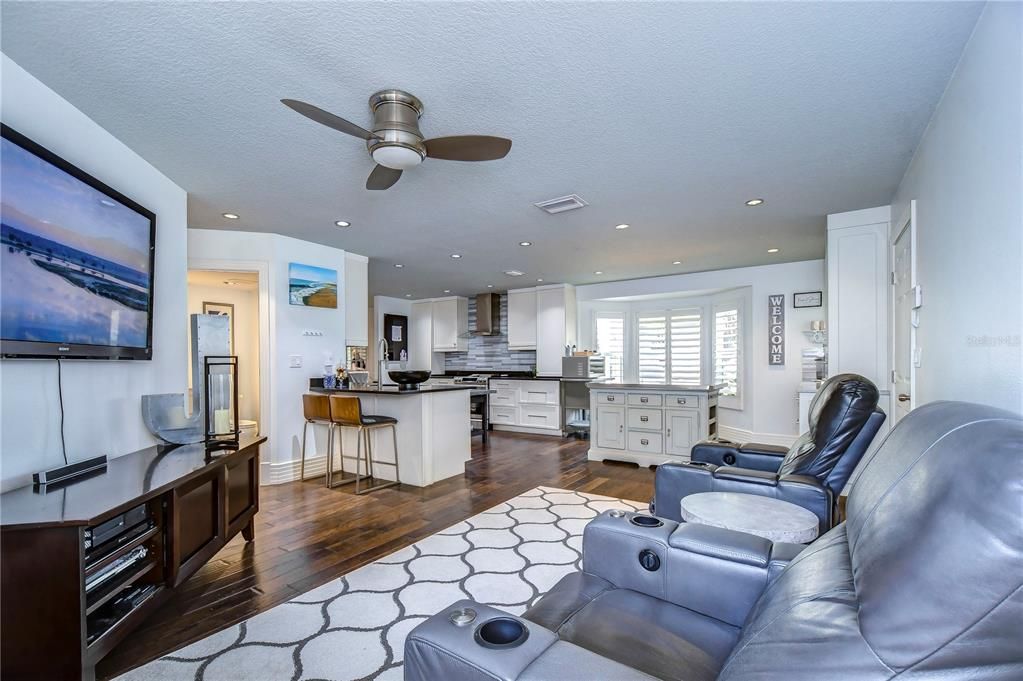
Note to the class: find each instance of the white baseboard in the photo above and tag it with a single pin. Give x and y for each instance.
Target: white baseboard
(743, 435)
(287, 471)
(554, 432)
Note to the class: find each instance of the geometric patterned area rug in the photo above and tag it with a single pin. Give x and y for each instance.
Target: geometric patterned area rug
(355, 626)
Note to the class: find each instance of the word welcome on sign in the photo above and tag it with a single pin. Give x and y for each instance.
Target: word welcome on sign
(776, 330)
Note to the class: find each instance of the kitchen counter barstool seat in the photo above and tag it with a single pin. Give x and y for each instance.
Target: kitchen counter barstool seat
(316, 410)
(346, 412)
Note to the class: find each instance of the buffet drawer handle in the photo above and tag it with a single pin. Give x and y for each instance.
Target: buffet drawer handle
(644, 400)
(610, 398)
(644, 441)
(644, 419)
(681, 400)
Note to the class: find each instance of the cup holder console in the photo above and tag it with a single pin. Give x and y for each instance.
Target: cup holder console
(645, 521)
(501, 632)
(701, 464)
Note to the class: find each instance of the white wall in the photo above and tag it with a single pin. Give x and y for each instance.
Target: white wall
(966, 179)
(769, 412)
(246, 337)
(287, 326)
(101, 398)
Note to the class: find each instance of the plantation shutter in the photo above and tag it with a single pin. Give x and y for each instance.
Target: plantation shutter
(685, 351)
(652, 347)
(726, 350)
(611, 343)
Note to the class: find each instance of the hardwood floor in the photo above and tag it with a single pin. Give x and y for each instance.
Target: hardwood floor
(307, 535)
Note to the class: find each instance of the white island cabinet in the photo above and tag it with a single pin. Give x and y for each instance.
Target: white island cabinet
(650, 424)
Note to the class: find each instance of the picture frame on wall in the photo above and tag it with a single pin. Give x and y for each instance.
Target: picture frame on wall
(227, 310)
(312, 286)
(808, 299)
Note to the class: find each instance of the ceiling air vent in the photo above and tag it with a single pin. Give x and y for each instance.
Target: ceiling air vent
(514, 273)
(561, 204)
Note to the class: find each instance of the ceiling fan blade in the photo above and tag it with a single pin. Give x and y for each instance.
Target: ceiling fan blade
(468, 148)
(328, 119)
(382, 177)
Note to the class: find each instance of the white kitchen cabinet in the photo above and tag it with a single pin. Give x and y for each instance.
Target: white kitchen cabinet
(356, 296)
(526, 405)
(420, 352)
(610, 425)
(555, 326)
(858, 283)
(522, 319)
(450, 324)
(681, 431)
(661, 422)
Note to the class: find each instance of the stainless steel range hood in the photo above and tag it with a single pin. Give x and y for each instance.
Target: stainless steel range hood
(488, 315)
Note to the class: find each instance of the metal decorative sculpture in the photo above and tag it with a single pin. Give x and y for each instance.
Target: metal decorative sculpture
(164, 415)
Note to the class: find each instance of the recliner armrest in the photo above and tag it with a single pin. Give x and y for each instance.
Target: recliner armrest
(710, 570)
(438, 649)
(749, 455)
(746, 475)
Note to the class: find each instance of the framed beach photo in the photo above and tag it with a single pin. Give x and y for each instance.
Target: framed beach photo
(312, 286)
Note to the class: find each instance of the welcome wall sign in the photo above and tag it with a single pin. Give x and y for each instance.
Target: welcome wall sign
(776, 330)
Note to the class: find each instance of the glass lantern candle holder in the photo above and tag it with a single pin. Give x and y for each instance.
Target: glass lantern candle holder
(220, 376)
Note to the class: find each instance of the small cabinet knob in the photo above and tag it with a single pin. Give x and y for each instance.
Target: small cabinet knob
(681, 400)
(644, 441)
(644, 400)
(644, 419)
(610, 398)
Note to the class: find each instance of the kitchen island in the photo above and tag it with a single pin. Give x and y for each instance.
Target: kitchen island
(433, 431)
(649, 424)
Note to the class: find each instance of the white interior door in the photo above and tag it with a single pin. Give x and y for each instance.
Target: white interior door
(905, 305)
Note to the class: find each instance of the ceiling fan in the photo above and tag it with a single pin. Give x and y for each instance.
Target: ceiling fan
(396, 144)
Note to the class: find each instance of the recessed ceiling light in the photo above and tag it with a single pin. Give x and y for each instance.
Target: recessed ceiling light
(398, 265)
(408, 295)
(525, 243)
(598, 272)
(490, 286)
(342, 223)
(447, 290)
(539, 279)
(676, 262)
(230, 216)
(754, 202)
(514, 273)
(455, 255)
(621, 226)
(772, 250)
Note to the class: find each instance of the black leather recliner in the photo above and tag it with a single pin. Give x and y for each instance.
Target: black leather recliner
(922, 581)
(844, 418)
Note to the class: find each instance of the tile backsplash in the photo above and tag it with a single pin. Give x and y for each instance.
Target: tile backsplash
(490, 352)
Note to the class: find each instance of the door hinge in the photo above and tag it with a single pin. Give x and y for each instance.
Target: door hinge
(894, 377)
(891, 278)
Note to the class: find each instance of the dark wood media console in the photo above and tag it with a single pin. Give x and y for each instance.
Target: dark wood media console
(190, 504)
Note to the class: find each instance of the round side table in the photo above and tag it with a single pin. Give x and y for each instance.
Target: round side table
(763, 516)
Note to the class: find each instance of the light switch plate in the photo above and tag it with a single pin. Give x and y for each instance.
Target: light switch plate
(295, 361)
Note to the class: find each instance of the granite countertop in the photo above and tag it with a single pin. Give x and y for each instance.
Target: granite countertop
(616, 385)
(393, 390)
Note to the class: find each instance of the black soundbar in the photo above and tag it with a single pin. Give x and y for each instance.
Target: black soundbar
(72, 470)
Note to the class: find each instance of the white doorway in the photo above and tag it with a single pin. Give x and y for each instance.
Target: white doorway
(235, 294)
(905, 314)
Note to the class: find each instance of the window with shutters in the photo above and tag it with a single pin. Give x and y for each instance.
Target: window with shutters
(668, 347)
(610, 339)
(727, 368)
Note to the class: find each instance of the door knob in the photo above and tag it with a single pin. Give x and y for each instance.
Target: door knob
(903, 397)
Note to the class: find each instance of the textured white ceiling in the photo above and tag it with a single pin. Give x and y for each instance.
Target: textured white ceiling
(663, 115)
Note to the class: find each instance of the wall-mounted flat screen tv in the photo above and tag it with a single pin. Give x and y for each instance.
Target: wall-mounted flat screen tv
(76, 270)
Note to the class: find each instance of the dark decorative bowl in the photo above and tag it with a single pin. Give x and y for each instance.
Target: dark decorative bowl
(408, 380)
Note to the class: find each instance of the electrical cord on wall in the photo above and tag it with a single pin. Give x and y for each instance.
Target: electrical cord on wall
(60, 398)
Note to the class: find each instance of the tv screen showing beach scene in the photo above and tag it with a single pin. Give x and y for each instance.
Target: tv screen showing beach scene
(76, 261)
(312, 286)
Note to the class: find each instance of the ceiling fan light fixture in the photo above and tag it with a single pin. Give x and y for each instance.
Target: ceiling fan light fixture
(397, 157)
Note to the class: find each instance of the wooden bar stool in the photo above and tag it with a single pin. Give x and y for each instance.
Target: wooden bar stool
(316, 410)
(346, 412)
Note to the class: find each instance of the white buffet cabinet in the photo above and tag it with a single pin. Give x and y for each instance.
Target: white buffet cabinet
(526, 405)
(650, 424)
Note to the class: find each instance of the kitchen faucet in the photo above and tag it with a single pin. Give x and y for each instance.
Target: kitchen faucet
(381, 361)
